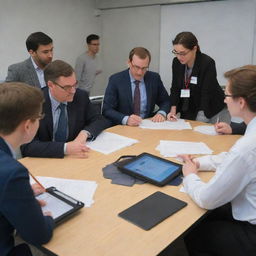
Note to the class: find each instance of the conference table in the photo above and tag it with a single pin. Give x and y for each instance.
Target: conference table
(98, 230)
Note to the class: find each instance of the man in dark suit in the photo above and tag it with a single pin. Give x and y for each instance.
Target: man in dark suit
(70, 118)
(30, 71)
(19, 210)
(132, 94)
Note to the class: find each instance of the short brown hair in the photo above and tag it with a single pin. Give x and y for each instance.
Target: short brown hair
(141, 52)
(56, 69)
(243, 84)
(18, 102)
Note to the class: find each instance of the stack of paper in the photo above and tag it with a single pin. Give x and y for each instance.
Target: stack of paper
(81, 190)
(206, 129)
(180, 124)
(108, 142)
(169, 148)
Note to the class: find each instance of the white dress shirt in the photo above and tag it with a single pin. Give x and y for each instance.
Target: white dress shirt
(234, 180)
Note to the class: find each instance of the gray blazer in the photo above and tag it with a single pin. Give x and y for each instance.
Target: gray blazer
(23, 72)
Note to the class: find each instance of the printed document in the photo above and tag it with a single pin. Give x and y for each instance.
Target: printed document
(81, 190)
(169, 148)
(180, 124)
(108, 143)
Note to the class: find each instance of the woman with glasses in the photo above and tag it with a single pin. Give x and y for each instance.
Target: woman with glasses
(195, 91)
(230, 228)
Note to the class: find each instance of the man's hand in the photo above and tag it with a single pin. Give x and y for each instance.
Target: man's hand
(134, 120)
(158, 118)
(77, 149)
(223, 128)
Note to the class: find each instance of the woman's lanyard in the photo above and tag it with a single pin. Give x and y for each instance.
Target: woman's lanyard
(188, 72)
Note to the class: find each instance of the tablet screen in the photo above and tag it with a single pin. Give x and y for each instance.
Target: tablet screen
(153, 168)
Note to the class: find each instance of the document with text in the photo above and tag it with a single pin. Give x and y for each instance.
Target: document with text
(180, 124)
(108, 142)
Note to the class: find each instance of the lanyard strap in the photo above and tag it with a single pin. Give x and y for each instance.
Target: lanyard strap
(187, 77)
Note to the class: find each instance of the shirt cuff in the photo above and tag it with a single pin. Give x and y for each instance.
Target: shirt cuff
(161, 112)
(125, 119)
(65, 148)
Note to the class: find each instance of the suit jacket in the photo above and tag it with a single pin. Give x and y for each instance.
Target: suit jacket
(206, 95)
(23, 72)
(118, 101)
(238, 128)
(18, 207)
(82, 115)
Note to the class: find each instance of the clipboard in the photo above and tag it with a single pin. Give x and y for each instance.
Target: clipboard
(152, 210)
(61, 206)
(150, 168)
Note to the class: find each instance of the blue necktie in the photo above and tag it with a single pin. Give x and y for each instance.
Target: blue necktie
(136, 98)
(61, 133)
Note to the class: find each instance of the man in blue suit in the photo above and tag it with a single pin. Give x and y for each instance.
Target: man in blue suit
(70, 118)
(19, 210)
(132, 94)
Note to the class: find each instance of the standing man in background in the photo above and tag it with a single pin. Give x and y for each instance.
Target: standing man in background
(31, 71)
(87, 66)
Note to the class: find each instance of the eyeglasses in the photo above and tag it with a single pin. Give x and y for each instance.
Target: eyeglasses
(67, 87)
(137, 68)
(228, 95)
(180, 53)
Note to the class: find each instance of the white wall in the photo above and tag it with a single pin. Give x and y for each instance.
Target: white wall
(68, 22)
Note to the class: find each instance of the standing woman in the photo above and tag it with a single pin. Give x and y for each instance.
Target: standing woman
(230, 228)
(195, 91)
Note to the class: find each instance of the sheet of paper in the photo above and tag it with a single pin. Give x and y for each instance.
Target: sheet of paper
(54, 205)
(180, 124)
(206, 129)
(81, 190)
(170, 148)
(108, 142)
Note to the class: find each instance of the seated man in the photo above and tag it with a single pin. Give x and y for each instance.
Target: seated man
(30, 71)
(19, 210)
(132, 94)
(70, 118)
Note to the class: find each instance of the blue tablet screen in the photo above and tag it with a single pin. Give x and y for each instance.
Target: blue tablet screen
(153, 168)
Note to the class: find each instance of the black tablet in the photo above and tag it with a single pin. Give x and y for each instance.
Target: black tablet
(59, 204)
(151, 168)
(152, 210)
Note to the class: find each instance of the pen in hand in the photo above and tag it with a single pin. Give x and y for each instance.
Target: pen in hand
(36, 180)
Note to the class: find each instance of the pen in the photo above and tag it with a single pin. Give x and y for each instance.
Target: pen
(36, 180)
(218, 120)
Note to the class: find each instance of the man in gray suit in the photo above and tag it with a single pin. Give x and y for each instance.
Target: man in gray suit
(31, 71)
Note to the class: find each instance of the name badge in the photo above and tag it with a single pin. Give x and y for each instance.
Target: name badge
(193, 80)
(185, 93)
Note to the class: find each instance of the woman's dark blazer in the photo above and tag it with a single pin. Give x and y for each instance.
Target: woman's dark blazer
(206, 95)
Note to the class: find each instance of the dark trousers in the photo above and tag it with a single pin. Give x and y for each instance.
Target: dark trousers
(220, 235)
(20, 250)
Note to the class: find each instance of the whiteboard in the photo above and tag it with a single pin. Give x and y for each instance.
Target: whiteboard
(225, 31)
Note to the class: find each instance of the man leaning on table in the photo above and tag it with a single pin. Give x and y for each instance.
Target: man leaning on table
(70, 118)
(132, 94)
